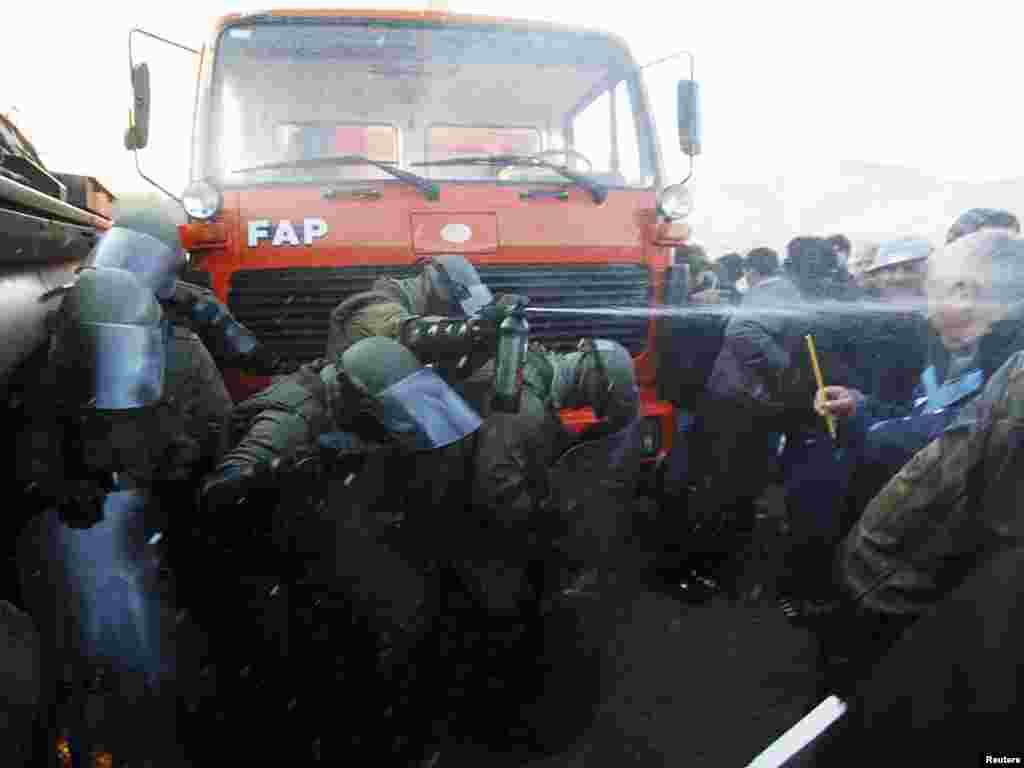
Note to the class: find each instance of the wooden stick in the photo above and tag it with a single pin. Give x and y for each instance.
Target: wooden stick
(829, 421)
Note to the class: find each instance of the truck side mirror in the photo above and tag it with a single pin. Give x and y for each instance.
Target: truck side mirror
(688, 106)
(137, 135)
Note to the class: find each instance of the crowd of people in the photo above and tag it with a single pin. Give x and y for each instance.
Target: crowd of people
(897, 471)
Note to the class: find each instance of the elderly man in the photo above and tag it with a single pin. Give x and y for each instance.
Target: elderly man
(976, 322)
(974, 289)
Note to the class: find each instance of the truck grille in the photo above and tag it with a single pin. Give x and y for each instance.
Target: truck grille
(288, 309)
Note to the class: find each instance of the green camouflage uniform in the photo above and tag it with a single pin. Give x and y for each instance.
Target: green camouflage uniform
(953, 504)
(284, 419)
(287, 417)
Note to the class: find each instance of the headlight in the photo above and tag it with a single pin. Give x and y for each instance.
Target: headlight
(675, 202)
(201, 200)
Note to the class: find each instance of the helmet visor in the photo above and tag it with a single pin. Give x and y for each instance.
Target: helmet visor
(151, 260)
(424, 412)
(462, 283)
(123, 368)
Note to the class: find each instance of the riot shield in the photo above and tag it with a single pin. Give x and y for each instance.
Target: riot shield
(104, 606)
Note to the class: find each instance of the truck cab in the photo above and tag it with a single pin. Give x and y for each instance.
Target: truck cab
(334, 147)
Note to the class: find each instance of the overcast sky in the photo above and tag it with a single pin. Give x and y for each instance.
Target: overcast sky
(790, 90)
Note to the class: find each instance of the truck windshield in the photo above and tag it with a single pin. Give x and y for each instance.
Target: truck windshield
(296, 90)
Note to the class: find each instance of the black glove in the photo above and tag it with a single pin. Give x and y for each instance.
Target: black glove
(230, 485)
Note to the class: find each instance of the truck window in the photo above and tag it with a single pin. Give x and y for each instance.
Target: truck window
(445, 141)
(448, 141)
(436, 91)
(307, 141)
(605, 132)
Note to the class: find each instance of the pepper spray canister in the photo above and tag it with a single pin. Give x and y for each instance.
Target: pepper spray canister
(513, 337)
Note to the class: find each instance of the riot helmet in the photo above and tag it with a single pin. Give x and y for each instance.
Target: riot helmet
(144, 240)
(453, 286)
(382, 380)
(109, 348)
(599, 374)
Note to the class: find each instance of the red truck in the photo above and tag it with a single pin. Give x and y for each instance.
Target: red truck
(332, 147)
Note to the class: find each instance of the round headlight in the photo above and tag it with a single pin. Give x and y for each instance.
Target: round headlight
(201, 200)
(675, 202)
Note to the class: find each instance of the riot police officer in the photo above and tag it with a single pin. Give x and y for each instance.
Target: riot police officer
(504, 506)
(144, 240)
(188, 410)
(446, 286)
(385, 523)
(124, 424)
(514, 453)
(449, 287)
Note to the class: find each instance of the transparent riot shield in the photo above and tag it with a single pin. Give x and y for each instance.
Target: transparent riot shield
(103, 601)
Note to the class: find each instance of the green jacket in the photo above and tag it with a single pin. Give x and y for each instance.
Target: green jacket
(283, 420)
(953, 504)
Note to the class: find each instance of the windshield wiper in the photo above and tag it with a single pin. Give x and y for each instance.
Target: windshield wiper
(426, 186)
(598, 190)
